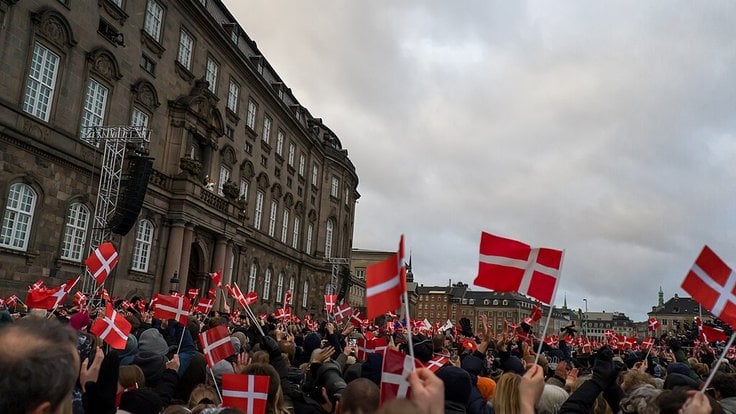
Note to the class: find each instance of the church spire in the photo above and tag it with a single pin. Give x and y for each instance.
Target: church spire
(409, 273)
(564, 305)
(660, 302)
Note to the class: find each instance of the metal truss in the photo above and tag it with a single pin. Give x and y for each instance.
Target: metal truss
(335, 262)
(114, 141)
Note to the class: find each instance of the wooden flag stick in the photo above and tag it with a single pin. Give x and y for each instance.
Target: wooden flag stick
(718, 363)
(183, 329)
(549, 315)
(408, 324)
(215, 383)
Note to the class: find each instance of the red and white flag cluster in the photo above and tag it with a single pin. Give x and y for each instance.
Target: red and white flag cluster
(102, 261)
(385, 284)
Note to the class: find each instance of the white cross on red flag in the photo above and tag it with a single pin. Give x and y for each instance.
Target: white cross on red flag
(247, 392)
(342, 312)
(396, 368)
(80, 299)
(370, 346)
(437, 362)
(193, 293)
(356, 320)
(508, 265)
(647, 343)
(205, 305)
(216, 344)
(101, 262)
(330, 303)
(113, 328)
(283, 314)
(653, 323)
(385, 283)
(172, 307)
(711, 282)
(217, 278)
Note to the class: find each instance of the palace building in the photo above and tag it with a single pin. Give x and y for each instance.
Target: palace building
(244, 178)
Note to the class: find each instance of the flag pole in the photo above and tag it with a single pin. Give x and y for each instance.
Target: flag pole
(214, 381)
(255, 320)
(549, 315)
(408, 324)
(718, 363)
(183, 330)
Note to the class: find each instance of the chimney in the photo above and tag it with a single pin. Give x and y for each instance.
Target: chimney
(449, 282)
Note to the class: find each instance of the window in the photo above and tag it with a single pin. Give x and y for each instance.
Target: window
(272, 218)
(267, 129)
(252, 277)
(310, 227)
(139, 119)
(285, 226)
(335, 188)
(328, 238)
(234, 35)
(186, 47)
(232, 96)
(250, 120)
(249, 148)
(41, 82)
(224, 176)
(95, 102)
(142, 248)
(259, 210)
(295, 234)
(292, 149)
(213, 69)
(305, 293)
(75, 232)
(18, 217)
(280, 287)
(347, 196)
(301, 165)
(280, 142)
(154, 19)
(148, 64)
(505, 302)
(264, 160)
(315, 172)
(243, 194)
(291, 284)
(229, 131)
(267, 284)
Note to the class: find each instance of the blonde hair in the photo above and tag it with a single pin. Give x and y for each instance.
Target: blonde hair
(202, 392)
(506, 400)
(633, 379)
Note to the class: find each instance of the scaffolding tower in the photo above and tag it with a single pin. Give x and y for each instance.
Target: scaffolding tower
(115, 142)
(336, 262)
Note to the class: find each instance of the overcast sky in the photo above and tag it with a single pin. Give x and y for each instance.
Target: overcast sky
(602, 128)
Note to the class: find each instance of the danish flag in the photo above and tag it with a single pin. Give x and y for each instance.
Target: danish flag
(193, 293)
(113, 328)
(38, 285)
(342, 312)
(356, 320)
(80, 299)
(170, 307)
(287, 298)
(653, 323)
(385, 283)
(217, 278)
(283, 313)
(212, 294)
(371, 346)
(216, 344)
(396, 367)
(11, 300)
(647, 343)
(512, 266)
(330, 303)
(101, 262)
(587, 347)
(437, 362)
(629, 342)
(205, 305)
(552, 341)
(247, 392)
(711, 282)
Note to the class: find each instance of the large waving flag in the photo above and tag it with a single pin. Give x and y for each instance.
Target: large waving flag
(712, 283)
(113, 328)
(172, 307)
(512, 266)
(385, 284)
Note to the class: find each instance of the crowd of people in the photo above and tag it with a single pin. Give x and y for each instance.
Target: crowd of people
(51, 363)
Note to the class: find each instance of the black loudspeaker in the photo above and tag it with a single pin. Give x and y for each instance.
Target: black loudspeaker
(133, 187)
(344, 283)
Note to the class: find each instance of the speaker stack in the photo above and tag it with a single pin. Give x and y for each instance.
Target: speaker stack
(133, 187)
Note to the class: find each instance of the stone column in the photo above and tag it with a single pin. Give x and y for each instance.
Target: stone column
(186, 252)
(218, 263)
(173, 255)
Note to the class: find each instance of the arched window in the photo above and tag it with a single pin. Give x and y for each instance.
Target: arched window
(291, 285)
(75, 232)
(267, 284)
(252, 277)
(495, 302)
(328, 238)
(305, 293)
(18, 217)
(280, 287)
(142, 248)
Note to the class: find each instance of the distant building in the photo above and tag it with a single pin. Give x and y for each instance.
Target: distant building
(597, 323)
(678, 311)
(360, 259)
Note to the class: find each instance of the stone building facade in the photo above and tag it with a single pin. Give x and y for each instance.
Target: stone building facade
(245, 179)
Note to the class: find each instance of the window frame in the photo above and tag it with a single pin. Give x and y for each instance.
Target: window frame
(188, 57)
(142, 247)
(267, 283)
(75, 233)
(212, 74)
(258, 216)
(146, 25)
(84, 118)
(51, 88)
(272, 218)
(329, 235)
(251, 114)
(233, 97)
(25, 190)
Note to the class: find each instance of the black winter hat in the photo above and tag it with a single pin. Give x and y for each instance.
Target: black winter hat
(141, 401)
(457, 383)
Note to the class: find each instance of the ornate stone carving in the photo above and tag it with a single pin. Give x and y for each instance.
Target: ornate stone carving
(228, 155)
(288, 200)
(145, 94)
(247, 170)
(104, 64)
(299, 207)
(190, 166)
(230, 189)
(52, 26)
(199, 109)
(276, 190)
(263, 181)
(113, 10)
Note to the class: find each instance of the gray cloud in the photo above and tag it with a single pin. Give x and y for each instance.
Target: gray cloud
(603, 128)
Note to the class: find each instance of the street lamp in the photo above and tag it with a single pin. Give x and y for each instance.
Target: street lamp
(585, 318)
(174, 280)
